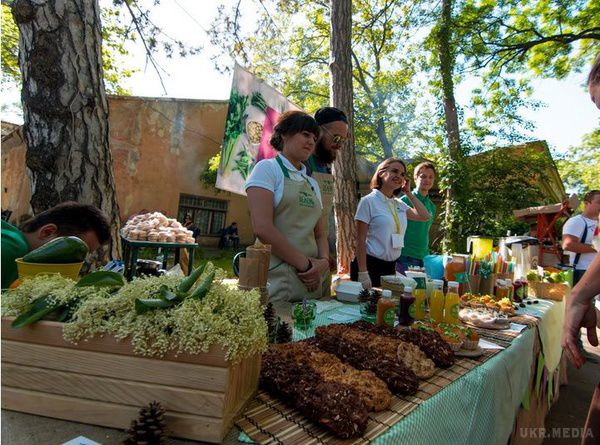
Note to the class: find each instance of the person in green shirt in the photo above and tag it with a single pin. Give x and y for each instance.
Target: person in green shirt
(66, 219)
(416, 238)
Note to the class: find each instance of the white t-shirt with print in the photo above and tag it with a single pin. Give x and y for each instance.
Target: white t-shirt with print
(574, 227)
(267, 174)
(374, 210)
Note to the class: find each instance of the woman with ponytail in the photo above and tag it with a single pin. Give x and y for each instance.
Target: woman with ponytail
(285, 209)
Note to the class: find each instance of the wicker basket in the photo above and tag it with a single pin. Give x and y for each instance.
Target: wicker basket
(548, 291)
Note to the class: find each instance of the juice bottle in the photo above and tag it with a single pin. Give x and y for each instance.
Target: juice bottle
(436, 302)
(386, 309)
(511, 289)
(452, 304)
(406, 307)
(419, 293)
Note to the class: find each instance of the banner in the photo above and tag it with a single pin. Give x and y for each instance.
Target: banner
(254, 108)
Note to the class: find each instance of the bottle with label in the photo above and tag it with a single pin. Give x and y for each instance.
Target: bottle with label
(386, 309)
(452, 304)
(436, 302)
(420, 298)
(406, 307)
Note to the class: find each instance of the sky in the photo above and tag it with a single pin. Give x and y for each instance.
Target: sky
(567, 116)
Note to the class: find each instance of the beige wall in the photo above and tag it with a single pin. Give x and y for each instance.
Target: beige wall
(160, 148)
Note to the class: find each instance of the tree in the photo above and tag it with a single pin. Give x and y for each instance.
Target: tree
(579, 168)
(344, 167)
(65, 107)
(386, 87)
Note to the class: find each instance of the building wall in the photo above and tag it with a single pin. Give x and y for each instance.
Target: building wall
(160, 148)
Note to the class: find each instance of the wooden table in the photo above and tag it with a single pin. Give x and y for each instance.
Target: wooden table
(131, 251)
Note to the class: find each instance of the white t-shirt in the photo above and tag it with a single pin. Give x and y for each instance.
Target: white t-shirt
(574, 227)
(267, 174)
(374, 210)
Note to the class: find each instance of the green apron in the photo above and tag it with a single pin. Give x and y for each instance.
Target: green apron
(295, 217)
(325, 181)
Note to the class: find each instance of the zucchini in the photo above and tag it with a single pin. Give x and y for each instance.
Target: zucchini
(61, 250)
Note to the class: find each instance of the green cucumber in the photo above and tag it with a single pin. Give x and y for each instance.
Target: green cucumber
(61, 250)
(204, 286)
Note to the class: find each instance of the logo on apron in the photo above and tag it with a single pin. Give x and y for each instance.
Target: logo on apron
(306, 199)
(327, 187)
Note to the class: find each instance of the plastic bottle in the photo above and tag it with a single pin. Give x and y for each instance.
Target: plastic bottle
(452, 304)
(436, 302)
(386, 313)
(406, 307)
(420, 298)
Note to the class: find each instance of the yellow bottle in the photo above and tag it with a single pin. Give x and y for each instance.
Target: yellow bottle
(452, 304)
(419, 294)
(436, 302)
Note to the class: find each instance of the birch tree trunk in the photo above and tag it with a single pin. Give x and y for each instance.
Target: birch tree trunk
(344, 167)
(65, 108)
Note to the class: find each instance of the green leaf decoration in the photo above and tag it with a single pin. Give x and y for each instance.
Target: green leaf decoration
(187, 283)
(204, 286)
(144, 305)
(166, 295)
(40, 307)
(102, 278)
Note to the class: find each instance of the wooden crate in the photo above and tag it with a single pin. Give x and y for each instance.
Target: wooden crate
(101, 382)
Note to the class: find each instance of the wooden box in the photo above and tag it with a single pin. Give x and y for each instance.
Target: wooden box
(101, 382)
(549, 291)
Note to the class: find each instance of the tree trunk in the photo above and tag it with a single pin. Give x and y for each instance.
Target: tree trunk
(455, 158)
(65, 107)
(344, 167)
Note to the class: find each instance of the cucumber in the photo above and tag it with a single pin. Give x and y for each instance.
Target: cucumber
(61, 250)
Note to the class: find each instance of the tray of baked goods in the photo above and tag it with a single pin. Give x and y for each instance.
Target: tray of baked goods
(158, 228)
(475, 301)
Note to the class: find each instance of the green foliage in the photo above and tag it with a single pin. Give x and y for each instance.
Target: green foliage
(580, 168)
(9, 47)
(208, 177)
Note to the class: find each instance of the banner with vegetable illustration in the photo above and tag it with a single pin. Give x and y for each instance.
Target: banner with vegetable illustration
(253, 110)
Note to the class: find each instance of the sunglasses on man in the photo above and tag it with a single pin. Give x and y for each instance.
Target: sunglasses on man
(335, 138)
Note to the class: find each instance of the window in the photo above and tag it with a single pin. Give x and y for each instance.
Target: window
(208, 214)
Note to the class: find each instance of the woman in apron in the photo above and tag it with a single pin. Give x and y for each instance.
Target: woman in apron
(381, 220)
(285, 208)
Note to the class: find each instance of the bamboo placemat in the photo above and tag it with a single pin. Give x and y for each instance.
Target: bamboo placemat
(267, 420)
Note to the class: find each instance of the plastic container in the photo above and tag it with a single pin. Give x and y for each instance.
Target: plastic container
(29, 270)
(481, 245)
(386, 309)
(348, 291)
(434, 266)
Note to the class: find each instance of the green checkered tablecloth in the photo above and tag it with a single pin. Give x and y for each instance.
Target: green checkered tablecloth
(479, 407)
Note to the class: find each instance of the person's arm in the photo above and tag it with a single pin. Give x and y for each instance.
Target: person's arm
(260, 202)
(362, 229)
(573, 244)
(312, 277)
(580, 313)
(419, 211)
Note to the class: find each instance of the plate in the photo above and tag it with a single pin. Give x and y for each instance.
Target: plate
(478, 351)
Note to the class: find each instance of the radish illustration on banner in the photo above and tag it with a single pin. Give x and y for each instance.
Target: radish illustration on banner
(254, 108)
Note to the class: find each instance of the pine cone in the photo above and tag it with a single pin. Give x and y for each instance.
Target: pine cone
(270, 317)
(284, 333)
(149, 428)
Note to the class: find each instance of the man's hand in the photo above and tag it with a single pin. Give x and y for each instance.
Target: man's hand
(579, 315)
